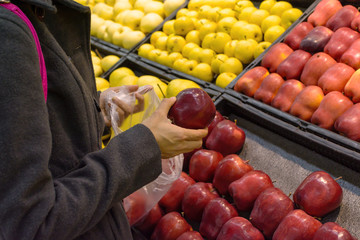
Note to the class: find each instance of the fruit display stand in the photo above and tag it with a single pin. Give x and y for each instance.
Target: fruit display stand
(107, 48)
(287, 162)
(329, 143)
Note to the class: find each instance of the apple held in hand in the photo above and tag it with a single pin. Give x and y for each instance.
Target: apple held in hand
(323, 12)
(203, 164)
(216, 213)
(226, 138)
(251, 81)
(171, 201)
(297, 225)
(342, 18)
(297, 34)
(316, 39)
(239, 228)
(352, 87)
(170, 227)
(275, 55)
(293, 65)
(269, 88)
(335, 78)
(333, 105)
(270, 207)
(348, 124)
(229, 169)
(196, 197)
(193, 109)
(287, 94)
(190, 235)
(245, 190)
(318, 194)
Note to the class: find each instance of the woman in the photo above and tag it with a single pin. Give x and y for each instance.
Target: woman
(55, 181)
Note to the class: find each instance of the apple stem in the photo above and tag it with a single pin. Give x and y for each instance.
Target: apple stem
(274, 181)
(247, 161)
(98, 53)
(235, 121)
(318, 218)
(290, 194)
(161, 90)
(338, 178)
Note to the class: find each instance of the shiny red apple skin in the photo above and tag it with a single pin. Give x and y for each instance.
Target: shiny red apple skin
(348, 124)
(170, 227)
(293, 65)
(355, 23)
(239, 228)
(332, 231)
(147, 224)
(297, 34)
(226, 138)
(218, 118)
(196, 197)
(190, 235)
(269, 88)
(297, 225)
(318, 194)
(229, 169)
(351, 56)
(187, 157)
(287, 94)
(135, 206)
(245, 190)
(216, 213)
(203, 164)
(275, 55)
(316, 39)
(171, 201)
(193, 109)
(323, 11)
(270, 207)
(342, 18)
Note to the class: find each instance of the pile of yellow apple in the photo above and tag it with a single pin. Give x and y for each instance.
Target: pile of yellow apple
(213, 39)
(126, 22)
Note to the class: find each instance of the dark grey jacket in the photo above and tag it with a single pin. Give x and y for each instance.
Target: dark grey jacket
(55, 182)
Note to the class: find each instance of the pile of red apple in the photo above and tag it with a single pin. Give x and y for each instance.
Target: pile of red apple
(314, 72)
(220, 196)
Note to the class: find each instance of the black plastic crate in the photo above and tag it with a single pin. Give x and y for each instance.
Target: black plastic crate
(107, 48)
(271, 146)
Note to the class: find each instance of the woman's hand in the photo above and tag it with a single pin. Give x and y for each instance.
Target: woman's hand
(172, 140)
(123, 108)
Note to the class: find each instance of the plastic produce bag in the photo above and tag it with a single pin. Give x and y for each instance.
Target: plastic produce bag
(139, 203)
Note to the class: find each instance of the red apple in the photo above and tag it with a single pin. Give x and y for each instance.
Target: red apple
(226, 138)
(293, 65)
(245, 190)
(193, 109)
(187, 157)
(135, 207)
(269, 88)
(170, 227)
(297, 225)
(342, 18)
(355, 23)
(332, 231)
(275, 55)
(239, 228)
(216, 213)
(270, 207)
(218, 118)
(351, 56)
(251, 81)
(335, 78)
(318, 194)
(287, 94)
(297, 34)
(316, 39)
(323, 12)
(203, 164)
(229, 169)
(352, 87)
(196, 197)
(348, 124)
(191, 235)
(171, 201)
(147, 224)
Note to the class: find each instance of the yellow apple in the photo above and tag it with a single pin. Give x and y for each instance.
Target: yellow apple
(117, 37)
(179, 64)
(168, 27)
(250, 31)
(240, 5)
(153, 54)
(155, 35)
(189, 65)
(260, 48)
(140, 4)
(217, 61)
(288, 17)
(200, 23)
(162, 58)
(225, 24)
(203, 72)
(161, 42)
(213, 13)
(206, 42)
(172, 5)
(101, 32)
(193, 36)
(121, 16)
(246, 13)
(206, 55)
(155, 7)
(193, 14)
(194, 4)
(182, 13)
(104, 11)
(149, 22)
(173, 57)
(183, 25)
(96, 23)
(209, 27)
(144, 50)
(133, 18)
(231, 64)
(175, 43)
(96, 60)
(273, 33)
(132, 38)
(194, 54)
(188, 47)
(279, 7)
(97, 70)
(244, 50)
(177, 85)
(101, 84)
(225, 12)
(114, 27)
(236, 29)
(258, 16)
(148, 80)
(219, 41)
(267, 4)
(224, 79)
(203, 11)
(118, 74)
(270, 21)
(120, 7)
(108, 61)
(128, 80)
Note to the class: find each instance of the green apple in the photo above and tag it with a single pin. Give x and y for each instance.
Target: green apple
(206, 55)
(168, 27)
(224, 79)
(149, 22)
(144, 50)
(231, 64)
(203, 72)
(279, 7)
(188, 47)
(246, 13)
(225, 24)
(205, 29)
(273, 33)
(132, 19)
(260, 48)
(219, 41)
(267, 4)
(175, 43)
(193, 36)
(177, 85)
(108, 61)
(270, 21)
(258, 16)
(288, 17)
(250, 31)
(244, 50)
(217, 61)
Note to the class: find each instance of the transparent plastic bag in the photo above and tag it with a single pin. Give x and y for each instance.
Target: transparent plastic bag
(139, 203)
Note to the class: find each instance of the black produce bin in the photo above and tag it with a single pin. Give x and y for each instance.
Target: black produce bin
(107, 48)
(273, 149)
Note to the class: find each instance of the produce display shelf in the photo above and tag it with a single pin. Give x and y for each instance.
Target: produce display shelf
(326, 142)
(107, 48)
(287, 162)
